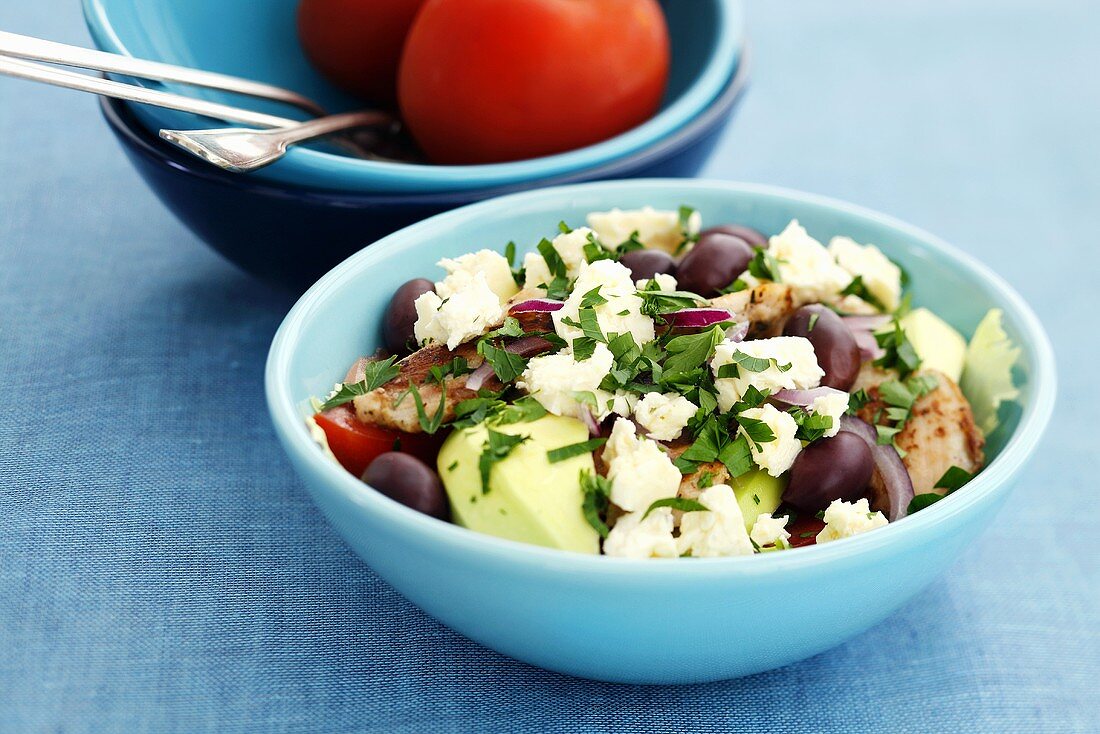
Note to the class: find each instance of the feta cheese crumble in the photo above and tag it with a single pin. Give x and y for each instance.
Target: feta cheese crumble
(806, 266)
(556, 380)
(881, 277)
(570, 246)
(461, 272)
(639, 471)
(845, 519)
(717, 531)
(777, 456)
(657, 228)
(467, 312)
(622, 312)
(770, 531)
(665, 282)
(833, 404)
(796, 351)
(633, 537)
(664, 417)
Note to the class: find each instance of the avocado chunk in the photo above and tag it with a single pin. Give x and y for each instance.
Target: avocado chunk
(936, 342)
(757, 492)
(529, 499)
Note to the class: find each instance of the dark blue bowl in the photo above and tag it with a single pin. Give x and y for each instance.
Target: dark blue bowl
(291, 236)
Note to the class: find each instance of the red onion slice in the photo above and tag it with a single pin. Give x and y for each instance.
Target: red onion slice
(357, 372)
(528, 346)
(888, 466)
(868, 347)
(738, 331)
(536, 305)
(590, 421)
(866, 323)
(803, 398)
(697, 318)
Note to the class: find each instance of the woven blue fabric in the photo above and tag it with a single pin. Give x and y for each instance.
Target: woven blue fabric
(162, 570)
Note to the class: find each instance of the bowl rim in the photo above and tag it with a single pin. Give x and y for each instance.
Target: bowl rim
(122, 120)
(993, 479)
(697, 97)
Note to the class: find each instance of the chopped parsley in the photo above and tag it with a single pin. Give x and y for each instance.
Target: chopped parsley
(764, 265)
(811, 426)
(859, 289)
(429, 424)
(899, 397)
(690, 352)
(524, 410)
(900, 354)
(951, 480)
(375, 375)
(574, 449)
(683, 504)
(592, 298)
(506, 365)
(597, 495)
(457, 367)
(496, 448)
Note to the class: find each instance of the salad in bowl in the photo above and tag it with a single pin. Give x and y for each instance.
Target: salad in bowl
(638, 385)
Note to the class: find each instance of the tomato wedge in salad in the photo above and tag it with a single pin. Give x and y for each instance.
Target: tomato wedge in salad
(356, 444)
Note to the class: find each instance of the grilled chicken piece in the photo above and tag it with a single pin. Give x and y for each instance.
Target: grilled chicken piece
(939, 434)
(392, 406)
(765, 307)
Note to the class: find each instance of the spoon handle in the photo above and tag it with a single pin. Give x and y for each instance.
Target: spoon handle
(38, 49)
(33, 71)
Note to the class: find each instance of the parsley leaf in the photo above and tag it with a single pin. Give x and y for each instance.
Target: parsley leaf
(757, 430)
(376, 374)
(510, 327)
(524, 410)
(429, 424)
(574, 449)
(656, 302)
(764, 265)
(506, 365)
(583, 348)
(683, 504)
(457, 367)
(736, 456)
(691, 351)
(496, 448)
(592, 298)
(597, 494)
(857, 288)
(900, 354)
(951, 480)
(476, 410)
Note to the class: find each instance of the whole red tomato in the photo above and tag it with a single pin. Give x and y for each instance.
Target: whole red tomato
(357, 44)
(497, 80)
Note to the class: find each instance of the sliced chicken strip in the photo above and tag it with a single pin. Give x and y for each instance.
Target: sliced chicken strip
(765, 307)
(391, 405)
(939, 434)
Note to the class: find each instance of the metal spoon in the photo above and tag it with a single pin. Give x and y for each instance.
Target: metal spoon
(234, 149)
(242, 150)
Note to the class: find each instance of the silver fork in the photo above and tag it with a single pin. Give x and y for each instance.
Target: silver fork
(234, 149)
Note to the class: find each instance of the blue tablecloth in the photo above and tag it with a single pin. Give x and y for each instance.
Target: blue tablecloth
(162, 569)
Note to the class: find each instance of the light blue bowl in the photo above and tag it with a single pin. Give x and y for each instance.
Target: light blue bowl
(258, 40)
(671, 621)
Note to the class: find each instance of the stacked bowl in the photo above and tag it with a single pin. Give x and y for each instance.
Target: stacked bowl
(292, 221)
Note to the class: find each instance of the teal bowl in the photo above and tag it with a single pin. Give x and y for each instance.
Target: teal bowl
(666, 621)
(258, 40)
